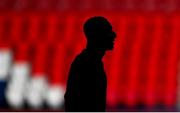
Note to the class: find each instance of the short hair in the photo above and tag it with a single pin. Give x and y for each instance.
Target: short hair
(96, 26)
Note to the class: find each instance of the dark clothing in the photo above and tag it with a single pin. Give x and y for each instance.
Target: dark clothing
(86, 86)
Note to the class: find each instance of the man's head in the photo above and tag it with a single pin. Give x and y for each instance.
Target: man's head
(99, 33)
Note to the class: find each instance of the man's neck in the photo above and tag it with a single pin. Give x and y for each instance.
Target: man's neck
(99, 53)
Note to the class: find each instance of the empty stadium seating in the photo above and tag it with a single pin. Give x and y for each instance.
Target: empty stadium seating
(142, 68)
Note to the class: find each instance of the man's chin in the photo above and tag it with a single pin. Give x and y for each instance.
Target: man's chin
(110, 48)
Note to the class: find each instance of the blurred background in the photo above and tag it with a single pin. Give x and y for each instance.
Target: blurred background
(40, 38)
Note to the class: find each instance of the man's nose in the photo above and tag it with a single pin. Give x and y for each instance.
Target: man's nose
(114, 35)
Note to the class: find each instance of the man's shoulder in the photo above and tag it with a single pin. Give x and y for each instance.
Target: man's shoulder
(82, 59)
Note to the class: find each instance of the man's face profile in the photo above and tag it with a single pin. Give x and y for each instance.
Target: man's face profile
(109, 38)
(99, 33)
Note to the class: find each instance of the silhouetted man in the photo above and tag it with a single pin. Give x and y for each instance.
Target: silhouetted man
(86, 86)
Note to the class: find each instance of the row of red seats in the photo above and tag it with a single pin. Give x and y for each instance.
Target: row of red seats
(79, 5)
(141, 68)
